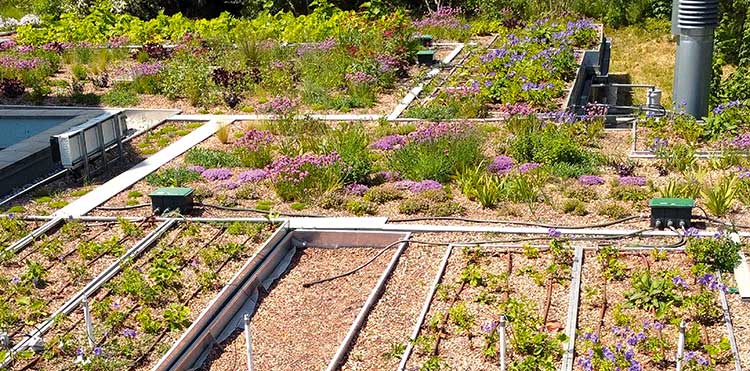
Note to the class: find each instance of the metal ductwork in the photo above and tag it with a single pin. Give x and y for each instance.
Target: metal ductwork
(693, 22)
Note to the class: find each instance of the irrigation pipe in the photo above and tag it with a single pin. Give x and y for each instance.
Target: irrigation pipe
(425, 308)
(90, 288)
(29, 238)
(511, 222)
(375, 294)
(730, 328)
(254, 210)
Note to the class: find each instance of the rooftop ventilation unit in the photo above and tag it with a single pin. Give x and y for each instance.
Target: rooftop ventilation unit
(82, 143)
(693, 22)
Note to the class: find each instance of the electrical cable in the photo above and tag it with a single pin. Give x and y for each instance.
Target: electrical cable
(528, 224)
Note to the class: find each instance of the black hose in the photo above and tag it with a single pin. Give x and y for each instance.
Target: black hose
(529, 224)
(254, 210)
(121, 208)
(718, 221)
(522, 239)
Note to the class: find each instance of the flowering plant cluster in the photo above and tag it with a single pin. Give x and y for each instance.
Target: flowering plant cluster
(147, 69)
(217, 174)
(591, 179)
(280, 105)
(632, 180)
(418, 187)
(299, 178)
(445, 16)
(254, 139)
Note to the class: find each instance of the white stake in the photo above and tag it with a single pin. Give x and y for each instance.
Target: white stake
(89, 324)
(249, 346)
(681, 345)
(501, 330)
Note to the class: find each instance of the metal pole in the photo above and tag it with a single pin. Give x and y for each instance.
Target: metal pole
(89, 325)
(249, 346)
(681, 345)
(501, 329)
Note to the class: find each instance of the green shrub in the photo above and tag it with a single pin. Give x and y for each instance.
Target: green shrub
(264, 205)
(211, 158)
(438, 157)
(613, 210)
(413, 205)
(121, 95)
(720, 254)
(382, 194)
(629, 193)
(575, 207)
(352, 143)
(720, 198)
(298, 206)
(445, 208)
(172, 177)
(361, 207)
(551, 145)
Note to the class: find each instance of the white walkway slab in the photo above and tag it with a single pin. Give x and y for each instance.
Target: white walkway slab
(121, 182)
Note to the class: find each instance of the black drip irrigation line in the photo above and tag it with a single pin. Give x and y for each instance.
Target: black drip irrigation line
(718, 221)
(680, 243)
(254, 210)
(528, 224)
(121, 208)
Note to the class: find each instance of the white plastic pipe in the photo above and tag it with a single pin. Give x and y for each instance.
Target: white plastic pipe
(89, 324)
(681, 345)
(501, 330)
(248, 344)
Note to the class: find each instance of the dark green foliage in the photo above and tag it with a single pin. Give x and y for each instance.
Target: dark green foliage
(211, 158)
(352, 144)
(718, 253)
(173, 177)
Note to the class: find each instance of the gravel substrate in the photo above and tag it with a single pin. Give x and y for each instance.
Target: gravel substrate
(393, 318)
(740, 312)
(457, 349)
(298, 328)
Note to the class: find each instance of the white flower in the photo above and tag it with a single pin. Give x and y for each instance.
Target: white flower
(30, 19)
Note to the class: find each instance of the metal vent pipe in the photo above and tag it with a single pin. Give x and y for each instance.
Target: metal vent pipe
(694, 22)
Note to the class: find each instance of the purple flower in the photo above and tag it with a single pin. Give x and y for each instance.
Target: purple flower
(591, 179)
(80, 352)
(633, 180)
(296, 169)
(390, 176)
(692, 232)
(529, 166)
(425, 185)
(658, 326)
(679, 282)
(440, 130)
(445, 16)
(129, 333)
(356, 189)
(97, 351)
(585, 363)
(389, 142)
(147, 69)
(255, 139)
(659, 143)
(742, 141)
(116, 305)
(725, 106)
(501, 165)
(552, 232)
(591, 337)
(712, 282)
(252, 176)
(488, 327)
(608, 354)
(217, 174)
(196, 168)
(15, 280)
(280, 105)
(230, 184)
(360, 78)
(418, 187)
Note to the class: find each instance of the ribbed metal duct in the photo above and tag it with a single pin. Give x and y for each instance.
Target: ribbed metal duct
(694, 22)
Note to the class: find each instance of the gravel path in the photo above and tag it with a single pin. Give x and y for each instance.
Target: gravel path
(297, 328)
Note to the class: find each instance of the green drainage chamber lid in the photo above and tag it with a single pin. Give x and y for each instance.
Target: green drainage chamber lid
(672, 202)
(172, 191)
